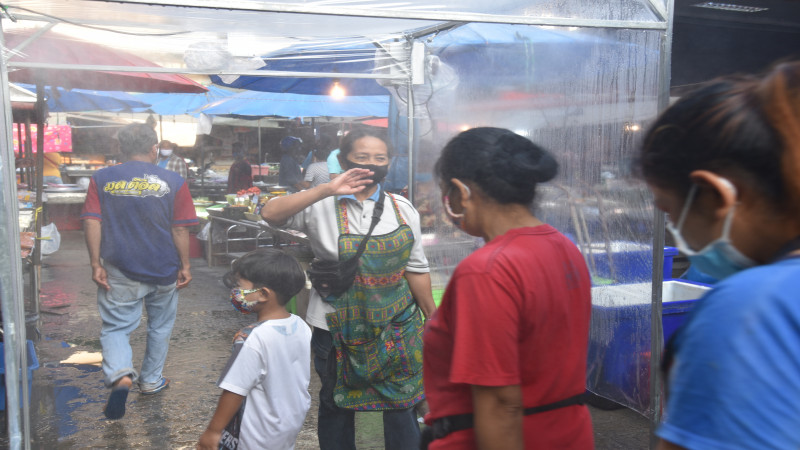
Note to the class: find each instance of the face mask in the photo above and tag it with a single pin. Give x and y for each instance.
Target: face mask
(455, 218)
(239, 301)
(380, 172)
(165, 152)
(719, 259)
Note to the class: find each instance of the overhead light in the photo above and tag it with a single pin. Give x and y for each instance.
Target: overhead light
(730, 7)
(632, 127)
(337, 91)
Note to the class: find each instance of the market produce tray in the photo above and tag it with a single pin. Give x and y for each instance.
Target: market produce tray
(235, 212)
(216, 212)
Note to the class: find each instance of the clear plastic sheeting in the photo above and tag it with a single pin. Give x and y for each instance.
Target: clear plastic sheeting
(582, 79)
(181, 34)
(286, 18)
(586, 95)
(619, 344)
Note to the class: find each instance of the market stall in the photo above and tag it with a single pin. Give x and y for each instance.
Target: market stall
(582, 79)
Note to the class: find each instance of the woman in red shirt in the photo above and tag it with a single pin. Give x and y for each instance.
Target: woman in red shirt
(505, 354)
(240, 175)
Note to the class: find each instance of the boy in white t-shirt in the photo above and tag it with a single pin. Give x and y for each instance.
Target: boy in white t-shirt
(269, 369)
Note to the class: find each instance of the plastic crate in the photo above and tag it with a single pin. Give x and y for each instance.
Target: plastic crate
(669, 254)
(678, 298)
(631, 262)
(33, 364)
(619, 346)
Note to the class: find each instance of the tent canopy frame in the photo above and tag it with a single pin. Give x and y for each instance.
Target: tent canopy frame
(662, 11)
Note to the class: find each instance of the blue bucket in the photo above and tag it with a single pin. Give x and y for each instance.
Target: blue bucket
(33, 364)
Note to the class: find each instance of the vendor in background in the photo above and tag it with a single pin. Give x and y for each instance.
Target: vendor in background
(505, 354)
(167, 159)
(334, 168)
(380, 313)
(240, 175)
(722, 162)
(289, 173)
(317, 171)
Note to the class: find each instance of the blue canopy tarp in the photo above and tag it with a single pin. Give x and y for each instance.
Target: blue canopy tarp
(73, 100)
(480, 52)
(344, 57)
(264, 104)
(173, 104)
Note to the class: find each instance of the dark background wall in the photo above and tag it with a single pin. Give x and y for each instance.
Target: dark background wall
(712, 42)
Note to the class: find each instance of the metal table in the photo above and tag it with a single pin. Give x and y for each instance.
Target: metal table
(263, 231)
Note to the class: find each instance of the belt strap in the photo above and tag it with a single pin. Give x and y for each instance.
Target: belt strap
(450, 424)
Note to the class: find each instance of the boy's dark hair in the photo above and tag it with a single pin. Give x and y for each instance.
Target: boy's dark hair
(270, 268)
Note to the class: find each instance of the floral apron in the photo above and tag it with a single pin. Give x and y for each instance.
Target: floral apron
(377, 327)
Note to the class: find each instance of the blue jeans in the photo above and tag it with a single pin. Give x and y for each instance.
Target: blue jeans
(336, 427)
(121, 311)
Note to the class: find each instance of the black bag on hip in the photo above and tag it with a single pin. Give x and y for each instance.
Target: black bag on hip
(332, 277)
(336, 277)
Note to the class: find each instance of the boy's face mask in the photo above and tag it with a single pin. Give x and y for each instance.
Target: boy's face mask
(240, 302)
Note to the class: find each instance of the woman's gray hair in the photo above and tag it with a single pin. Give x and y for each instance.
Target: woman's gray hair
(136, 138)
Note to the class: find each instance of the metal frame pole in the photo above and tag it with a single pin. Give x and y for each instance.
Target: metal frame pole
(260, 150)
(186, 71)
(443, 16)
(659, 230)
(410, 112)
(11, 297)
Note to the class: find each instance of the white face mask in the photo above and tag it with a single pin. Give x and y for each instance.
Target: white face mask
(719, 259)
(165, 152)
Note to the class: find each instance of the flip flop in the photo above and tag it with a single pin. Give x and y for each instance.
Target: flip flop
(163, 383)
(115, 407)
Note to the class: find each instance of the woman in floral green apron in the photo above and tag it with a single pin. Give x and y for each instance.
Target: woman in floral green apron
(367, 342)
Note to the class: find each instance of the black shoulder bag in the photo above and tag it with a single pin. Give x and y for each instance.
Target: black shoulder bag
(336, 277)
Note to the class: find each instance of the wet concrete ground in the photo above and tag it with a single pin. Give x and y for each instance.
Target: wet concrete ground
(67, 399)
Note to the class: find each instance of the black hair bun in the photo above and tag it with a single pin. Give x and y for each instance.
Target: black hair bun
(522, 162)
(505, 165)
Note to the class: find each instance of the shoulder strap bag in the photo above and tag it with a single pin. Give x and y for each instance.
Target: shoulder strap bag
(334, 278)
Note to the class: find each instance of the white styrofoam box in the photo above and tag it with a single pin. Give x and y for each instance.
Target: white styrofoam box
(634, 294)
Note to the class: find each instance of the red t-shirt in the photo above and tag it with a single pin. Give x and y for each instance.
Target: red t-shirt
(516, 312)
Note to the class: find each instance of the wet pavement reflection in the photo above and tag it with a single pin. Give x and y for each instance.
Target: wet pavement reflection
(67, 399)
(68, 395)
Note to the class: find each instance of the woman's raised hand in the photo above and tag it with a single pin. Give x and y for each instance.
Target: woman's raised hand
(350, 182)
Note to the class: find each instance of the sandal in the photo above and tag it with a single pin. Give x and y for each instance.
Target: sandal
(162, 384)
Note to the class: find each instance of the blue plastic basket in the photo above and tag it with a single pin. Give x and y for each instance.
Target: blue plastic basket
(33, 364)
(619, 352)
(632, 262)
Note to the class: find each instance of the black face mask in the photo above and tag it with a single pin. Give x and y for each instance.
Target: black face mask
(380, 172)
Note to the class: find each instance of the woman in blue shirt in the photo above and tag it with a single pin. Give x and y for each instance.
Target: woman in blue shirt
(724, 163)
